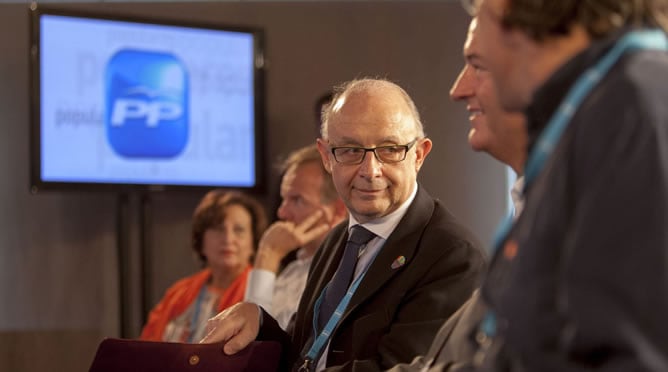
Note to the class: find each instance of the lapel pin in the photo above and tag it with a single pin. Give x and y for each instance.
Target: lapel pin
(510, 250)
(398, 262)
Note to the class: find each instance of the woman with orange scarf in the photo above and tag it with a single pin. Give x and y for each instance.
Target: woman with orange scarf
(226, 229)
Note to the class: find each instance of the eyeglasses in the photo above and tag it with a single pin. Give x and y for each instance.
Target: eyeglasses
(384, 154)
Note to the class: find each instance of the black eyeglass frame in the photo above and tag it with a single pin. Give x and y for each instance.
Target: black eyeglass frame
(406, 147)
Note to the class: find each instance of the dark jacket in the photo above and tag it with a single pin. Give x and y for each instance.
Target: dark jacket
(582, 282)
(395, 313)
(455, 345)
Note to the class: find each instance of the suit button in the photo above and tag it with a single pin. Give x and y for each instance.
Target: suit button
(483, 339)
(193, 360)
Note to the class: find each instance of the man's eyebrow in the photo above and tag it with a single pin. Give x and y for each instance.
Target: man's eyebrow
(471, 57)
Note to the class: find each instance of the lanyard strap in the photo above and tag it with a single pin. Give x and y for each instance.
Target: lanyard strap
(548, 139)
(649, 39)
(193, 321)
(322, 338)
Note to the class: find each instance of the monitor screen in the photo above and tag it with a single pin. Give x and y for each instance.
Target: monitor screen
(128, 103)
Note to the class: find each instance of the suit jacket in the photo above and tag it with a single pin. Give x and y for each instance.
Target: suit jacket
(455, 344)
(395, 312)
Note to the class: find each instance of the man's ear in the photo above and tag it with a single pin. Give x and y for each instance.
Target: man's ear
(323, 149)
(422, 149)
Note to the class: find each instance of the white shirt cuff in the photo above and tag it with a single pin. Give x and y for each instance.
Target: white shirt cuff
(260, 288)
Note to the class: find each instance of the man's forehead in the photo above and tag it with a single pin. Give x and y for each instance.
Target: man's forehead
(471, 38)
(472, 43)
(308, 168)
(390, 110)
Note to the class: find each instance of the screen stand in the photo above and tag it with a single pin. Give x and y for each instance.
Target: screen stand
(123, 256)
(145, 254)
(134, 258)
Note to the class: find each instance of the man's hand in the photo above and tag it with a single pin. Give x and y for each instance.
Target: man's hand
(283, 237)
(237, 326)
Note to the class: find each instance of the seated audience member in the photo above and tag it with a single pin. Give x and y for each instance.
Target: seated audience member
(226, 228)
(502, 135)
(310, 207)
(385, 280)
(499, 133)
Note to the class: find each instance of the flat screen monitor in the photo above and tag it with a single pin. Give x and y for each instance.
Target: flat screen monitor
(125, 103)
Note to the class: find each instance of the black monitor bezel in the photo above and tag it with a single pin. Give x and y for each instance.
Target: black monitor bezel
(39, 185)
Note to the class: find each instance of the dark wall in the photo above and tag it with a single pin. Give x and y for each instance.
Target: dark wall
(59, 269)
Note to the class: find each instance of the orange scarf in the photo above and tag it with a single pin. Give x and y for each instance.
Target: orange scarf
(182, 294)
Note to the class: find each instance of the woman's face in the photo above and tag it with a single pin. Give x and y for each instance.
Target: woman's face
(230, 245)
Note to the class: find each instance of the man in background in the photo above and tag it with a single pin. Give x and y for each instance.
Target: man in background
(310, 207)
(502, 135)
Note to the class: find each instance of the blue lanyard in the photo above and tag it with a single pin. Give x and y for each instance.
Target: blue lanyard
(655, 39)
(193, 322)
(548, 139)
(322, 339)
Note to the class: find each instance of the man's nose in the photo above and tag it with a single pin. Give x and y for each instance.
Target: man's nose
(283, 211)
(370, 166)
(463, 86)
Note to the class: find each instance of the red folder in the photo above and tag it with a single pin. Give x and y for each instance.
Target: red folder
(116, 355)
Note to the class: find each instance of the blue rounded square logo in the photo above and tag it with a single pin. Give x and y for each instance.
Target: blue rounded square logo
(146, 113)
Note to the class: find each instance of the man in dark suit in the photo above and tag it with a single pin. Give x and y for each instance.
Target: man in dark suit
(417, 269)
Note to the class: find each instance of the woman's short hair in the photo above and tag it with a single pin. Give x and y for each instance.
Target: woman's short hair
(211, 212)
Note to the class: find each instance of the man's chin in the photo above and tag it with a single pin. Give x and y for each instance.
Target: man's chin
(475, 145)
(365, 212)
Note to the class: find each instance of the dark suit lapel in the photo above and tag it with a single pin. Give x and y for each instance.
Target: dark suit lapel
(328, 263)
(325, 263)
(402, 242)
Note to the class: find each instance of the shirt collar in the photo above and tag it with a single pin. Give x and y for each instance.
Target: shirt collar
(303, 255)
(385, 225)
(516, 195)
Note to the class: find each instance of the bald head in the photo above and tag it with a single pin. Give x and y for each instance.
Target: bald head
(355, 93)
(374, 146)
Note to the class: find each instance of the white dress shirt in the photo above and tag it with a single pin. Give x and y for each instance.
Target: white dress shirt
(279, 295)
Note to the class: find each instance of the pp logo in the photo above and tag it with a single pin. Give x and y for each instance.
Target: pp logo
(146, 104)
